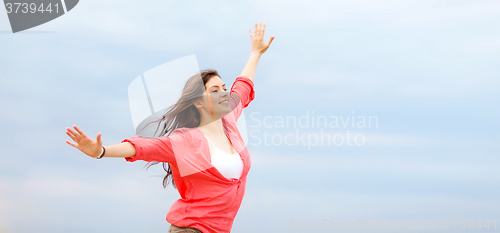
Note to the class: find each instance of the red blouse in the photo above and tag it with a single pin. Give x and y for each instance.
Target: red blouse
(209, 201)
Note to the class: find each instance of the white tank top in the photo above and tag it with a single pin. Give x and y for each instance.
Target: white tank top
(229, 165)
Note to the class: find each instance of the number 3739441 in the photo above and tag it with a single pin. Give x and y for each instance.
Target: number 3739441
(15, 8)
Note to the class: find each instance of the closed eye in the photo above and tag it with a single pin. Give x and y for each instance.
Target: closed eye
(216, 90)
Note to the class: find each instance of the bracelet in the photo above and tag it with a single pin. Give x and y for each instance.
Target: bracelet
(102, 153)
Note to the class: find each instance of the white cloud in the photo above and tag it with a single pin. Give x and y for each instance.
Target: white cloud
(438, 13)
(392, 13)
(151, 25)
(401, 163)
(44, 197)
(395, 140)
(356, 86)
(86, 33)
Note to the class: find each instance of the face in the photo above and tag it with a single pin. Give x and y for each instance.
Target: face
(218, 96)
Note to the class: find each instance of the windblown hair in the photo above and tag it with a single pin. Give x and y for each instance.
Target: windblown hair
(183, 113)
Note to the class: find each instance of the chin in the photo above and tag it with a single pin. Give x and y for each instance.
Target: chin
(224, 111)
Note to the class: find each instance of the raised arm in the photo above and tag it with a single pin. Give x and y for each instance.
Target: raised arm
(258, 48)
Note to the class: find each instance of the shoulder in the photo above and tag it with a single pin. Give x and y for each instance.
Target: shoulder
(186, 138)
(183, 131)
(244, 79)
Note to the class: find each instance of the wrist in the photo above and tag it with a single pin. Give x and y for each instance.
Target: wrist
(103, 151)
(255, 53)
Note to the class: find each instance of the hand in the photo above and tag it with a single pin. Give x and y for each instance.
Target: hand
(85, 144)
(258, 44)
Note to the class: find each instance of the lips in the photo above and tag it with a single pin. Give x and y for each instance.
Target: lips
(224, 101)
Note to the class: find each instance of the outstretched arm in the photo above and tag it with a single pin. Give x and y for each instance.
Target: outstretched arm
(132, 149)
(258, 48)
(93, 148)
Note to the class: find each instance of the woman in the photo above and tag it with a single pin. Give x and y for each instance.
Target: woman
(207, 158)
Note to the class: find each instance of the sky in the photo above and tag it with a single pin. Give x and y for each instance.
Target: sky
(423, 71)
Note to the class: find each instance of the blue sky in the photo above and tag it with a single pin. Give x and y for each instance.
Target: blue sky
(425, 69)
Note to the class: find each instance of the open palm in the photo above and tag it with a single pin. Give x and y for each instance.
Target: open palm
(85, 144)
(258, 44)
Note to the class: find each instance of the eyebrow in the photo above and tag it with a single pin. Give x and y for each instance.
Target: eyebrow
(216, 86)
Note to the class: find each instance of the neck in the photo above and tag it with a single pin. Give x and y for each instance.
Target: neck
(212, 127)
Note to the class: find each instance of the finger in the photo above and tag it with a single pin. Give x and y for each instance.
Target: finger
(256, 30)
(72, 136)
(72, 144)
(250, 31)
(79, 131)
(263, 29)
(270, 40)
(260, 29)
(75, 134)
(99, 138)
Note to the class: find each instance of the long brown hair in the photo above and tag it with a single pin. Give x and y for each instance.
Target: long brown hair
(183, 113)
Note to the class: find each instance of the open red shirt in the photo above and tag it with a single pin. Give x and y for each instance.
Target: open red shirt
(209, 201)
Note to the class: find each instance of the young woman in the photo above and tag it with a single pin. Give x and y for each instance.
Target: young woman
(207, 159)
